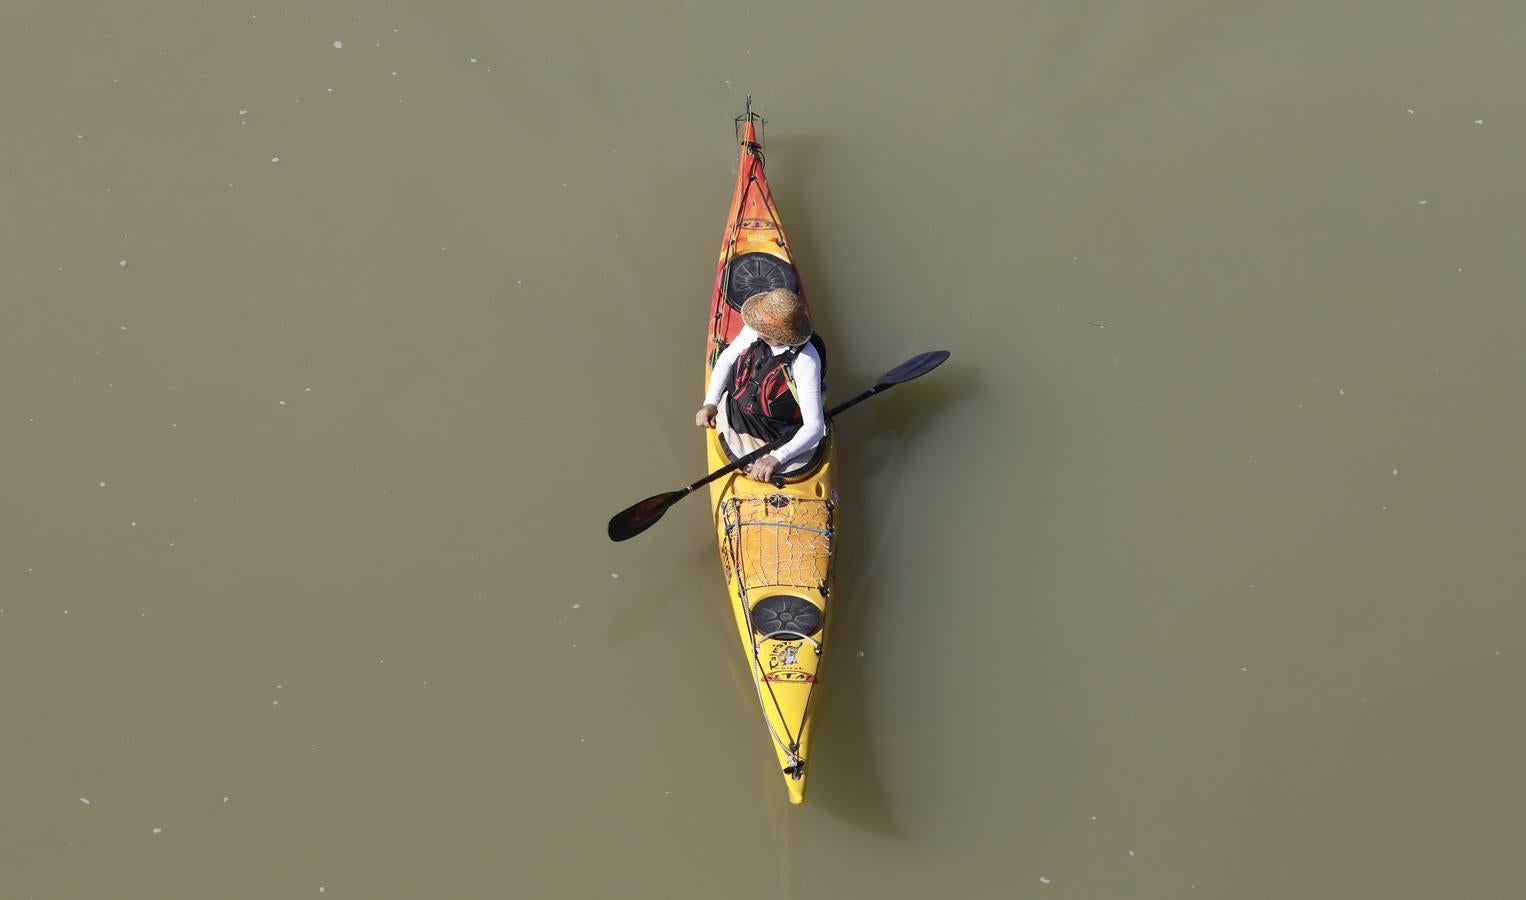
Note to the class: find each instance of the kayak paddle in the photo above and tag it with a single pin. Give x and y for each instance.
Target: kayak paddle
(640, 516)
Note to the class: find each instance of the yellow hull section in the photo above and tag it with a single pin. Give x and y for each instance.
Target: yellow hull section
(778, 541)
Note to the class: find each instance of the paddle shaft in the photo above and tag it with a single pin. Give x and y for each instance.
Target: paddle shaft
(638, 517)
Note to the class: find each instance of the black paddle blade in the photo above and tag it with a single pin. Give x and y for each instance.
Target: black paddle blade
(915, 367)
(640, 516)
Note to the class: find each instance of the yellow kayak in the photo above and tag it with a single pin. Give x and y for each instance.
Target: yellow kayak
(776, 543)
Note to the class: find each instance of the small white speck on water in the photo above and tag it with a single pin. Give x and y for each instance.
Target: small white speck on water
(339, 45)
(172, 543)
(859, 654)
(472, 60)
(1396, 471)
(157, 830)
(121, 262)
(243, 112)
(1043, 879)
(614, 574)
(577, 606)
(1411, 110)
(85, 800)
(275, 159)
(275, 703)
(1243, 669)
(321, 888)
(1478, 121)
(1423, 202)
(307, 390)
(1131, 852)
(225, 799)
(103, 484)
(281, 402)
(124, 328)
(133, 524)
(1342, 392)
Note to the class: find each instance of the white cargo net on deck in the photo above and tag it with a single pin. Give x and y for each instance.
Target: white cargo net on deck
(778, 541)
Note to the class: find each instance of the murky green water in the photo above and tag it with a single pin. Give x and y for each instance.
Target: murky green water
(1193, 574)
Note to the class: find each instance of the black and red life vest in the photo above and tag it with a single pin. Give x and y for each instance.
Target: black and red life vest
(762, 400)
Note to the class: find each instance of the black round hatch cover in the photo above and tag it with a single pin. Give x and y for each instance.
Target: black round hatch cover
(754, 273)
(783, 612)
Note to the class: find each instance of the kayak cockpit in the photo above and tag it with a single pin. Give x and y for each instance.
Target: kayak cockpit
(797, 468)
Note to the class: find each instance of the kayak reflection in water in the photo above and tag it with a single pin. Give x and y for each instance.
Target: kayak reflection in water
(767, 384)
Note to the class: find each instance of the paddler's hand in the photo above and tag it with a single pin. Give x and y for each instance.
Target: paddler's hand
(705, 418)
(763, 469)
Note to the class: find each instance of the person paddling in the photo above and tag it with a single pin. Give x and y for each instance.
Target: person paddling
(767, 384)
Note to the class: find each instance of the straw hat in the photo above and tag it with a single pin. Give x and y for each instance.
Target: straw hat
(779, 316)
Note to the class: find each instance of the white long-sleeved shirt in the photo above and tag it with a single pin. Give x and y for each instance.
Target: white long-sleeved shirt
(806, 372)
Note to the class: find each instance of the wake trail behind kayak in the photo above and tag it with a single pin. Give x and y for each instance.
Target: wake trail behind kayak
(784, 844)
